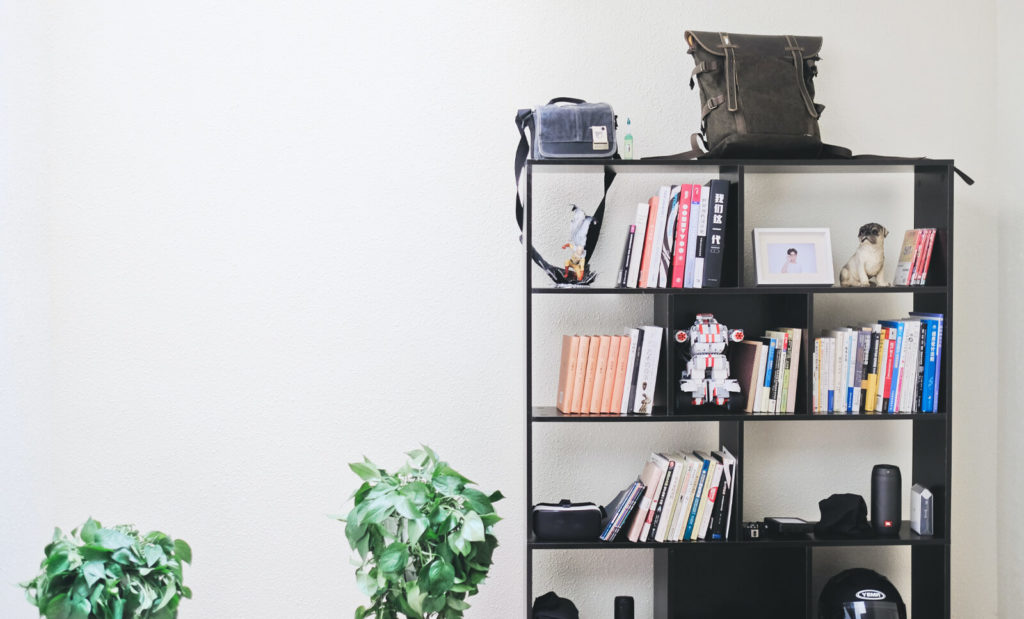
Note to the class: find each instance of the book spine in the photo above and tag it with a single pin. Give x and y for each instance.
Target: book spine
(663, 464)
(928, 256)
(682, 231)
(815, 377)
(647, 374)
(897, 370)
(636, 254)
(645, 259)
(600, 372)
(629, 384)
(670, 501)
(579, 383)
(668, 237)
(691, 248)
(610, 369)
(871, 392)
(661, 501)
(908, 365)
(714, 253)
(621, 368)
(701, 244)
(567, 374)
(696, 501)
(659, 233)
(922, 351)
(626, 255)
(928, 390)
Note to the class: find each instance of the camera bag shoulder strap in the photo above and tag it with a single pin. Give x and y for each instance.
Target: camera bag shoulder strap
(524, 122)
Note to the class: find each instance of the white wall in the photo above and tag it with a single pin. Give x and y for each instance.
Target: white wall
(243, 244)
(1010, 149)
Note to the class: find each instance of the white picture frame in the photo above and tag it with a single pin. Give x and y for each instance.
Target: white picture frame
(793, 257)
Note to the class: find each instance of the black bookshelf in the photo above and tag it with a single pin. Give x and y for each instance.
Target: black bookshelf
(773, 572)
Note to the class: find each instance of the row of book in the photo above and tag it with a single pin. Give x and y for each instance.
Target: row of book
(678, 497)
(891, 366)
(678, 238)
(610, 374)
(767, 369)
(915, 257)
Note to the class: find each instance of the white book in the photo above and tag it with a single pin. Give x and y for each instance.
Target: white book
(828, 366)
(647, 372)
(659, 233)
(668, 238)
(697, 193)
(693, 467)
(668, 509)
(662, 463)
(815, 378)
(908, 364)
(841, 355)
(852, 384)
(642, 209)
(715, 475)
(730, 472)
(702, 233)
(761, 369)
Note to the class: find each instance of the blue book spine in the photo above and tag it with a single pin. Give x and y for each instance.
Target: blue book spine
(928, 384)
(696, 501)
(894, 371)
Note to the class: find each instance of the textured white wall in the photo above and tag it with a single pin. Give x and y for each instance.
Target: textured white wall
(245, 243)
(1010, 149)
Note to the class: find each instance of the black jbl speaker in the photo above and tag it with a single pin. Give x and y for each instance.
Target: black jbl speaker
(886, 515)
(623, 607)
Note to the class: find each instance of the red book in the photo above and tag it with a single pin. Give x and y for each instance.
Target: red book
(682, 226)
(645, 261)
(929, 243)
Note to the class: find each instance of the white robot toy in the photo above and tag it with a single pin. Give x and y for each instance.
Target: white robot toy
(706, 376)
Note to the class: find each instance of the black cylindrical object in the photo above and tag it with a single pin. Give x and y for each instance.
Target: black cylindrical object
(886, 515)
(623, 607)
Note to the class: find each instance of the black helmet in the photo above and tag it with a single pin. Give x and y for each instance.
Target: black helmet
(860, 593)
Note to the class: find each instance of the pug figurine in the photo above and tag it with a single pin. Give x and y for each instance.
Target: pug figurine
(866, 267)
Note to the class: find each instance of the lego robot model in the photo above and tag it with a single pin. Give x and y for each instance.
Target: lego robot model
(706, 377)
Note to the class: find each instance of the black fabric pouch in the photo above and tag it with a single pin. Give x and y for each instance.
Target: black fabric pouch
(567, 521)
(843, 516)
(550, 606)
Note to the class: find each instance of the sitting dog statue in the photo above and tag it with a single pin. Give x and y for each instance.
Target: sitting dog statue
(866, 267)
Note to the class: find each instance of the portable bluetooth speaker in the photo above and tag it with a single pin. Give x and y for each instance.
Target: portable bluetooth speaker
(885, 499)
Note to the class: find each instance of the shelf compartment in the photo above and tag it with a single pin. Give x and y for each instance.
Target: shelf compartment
(905, 538)
(743, 290)
(549, 414)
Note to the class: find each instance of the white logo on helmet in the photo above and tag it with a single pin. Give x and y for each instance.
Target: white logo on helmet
(870, 594)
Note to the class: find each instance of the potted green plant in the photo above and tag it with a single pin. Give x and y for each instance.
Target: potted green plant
(424, 537)
(110, 573)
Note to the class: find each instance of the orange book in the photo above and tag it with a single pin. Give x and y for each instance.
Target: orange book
(621, 364)
(588, 381)
(567, 372)
(604, 346)
(609, 374)
(645, 261)
(581, 373)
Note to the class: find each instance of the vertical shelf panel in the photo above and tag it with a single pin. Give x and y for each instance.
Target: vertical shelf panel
(706, 580)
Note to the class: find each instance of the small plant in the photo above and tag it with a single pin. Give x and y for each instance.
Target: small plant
(424, 538)
(101, 573)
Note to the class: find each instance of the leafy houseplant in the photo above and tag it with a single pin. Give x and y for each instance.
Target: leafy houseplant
(424, 538)
(115, 573)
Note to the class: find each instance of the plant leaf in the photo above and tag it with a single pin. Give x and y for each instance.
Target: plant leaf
(111, 539)
(416, 528)
(182, 551)
(365, 470)
(394, 558)
(93, 571)
(89, 530)
(473, 528)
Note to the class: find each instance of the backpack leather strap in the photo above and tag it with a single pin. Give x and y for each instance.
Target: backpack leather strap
(798, 65)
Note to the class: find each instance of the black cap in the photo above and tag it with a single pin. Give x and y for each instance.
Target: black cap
(862, 593)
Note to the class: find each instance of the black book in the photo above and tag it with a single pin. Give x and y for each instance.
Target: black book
(627, 257)
(714, 251)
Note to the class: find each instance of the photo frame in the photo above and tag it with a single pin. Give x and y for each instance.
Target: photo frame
(793, 257)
